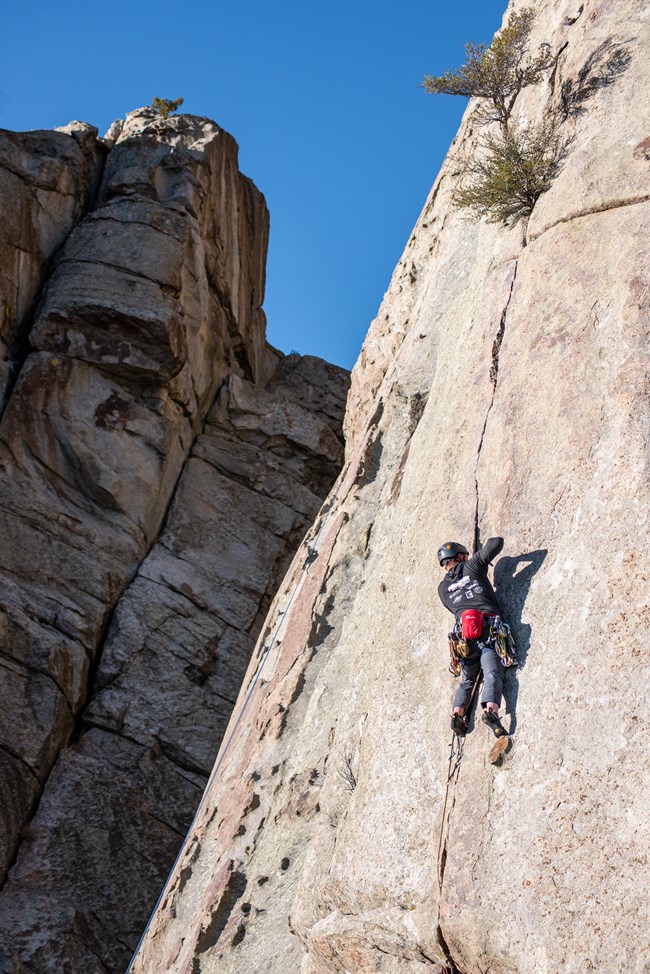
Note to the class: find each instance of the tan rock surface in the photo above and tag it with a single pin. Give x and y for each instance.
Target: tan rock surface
(501, 390)
(47, 182)
(174, 658)
(137, 328)
(122, 650)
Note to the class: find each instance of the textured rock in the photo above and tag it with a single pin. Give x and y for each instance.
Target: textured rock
(47, 182)
(174, 659)
(155, 299)
(502, 389)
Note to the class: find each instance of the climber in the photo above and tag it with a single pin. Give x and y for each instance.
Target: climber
(467, 592)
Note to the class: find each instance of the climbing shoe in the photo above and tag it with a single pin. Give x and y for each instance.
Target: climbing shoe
(459, 725)
(491, 718)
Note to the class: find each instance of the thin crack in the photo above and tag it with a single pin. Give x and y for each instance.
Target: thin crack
(617, 205)
(452, 967)
(31, 667)
(102, 214)
(96, 724)
(21, 761)
(167, 825)
(37, 184)
(139, 275)
(494, 375)
(20, 345)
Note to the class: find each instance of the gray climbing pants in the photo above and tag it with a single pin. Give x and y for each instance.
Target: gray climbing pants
(484, 657)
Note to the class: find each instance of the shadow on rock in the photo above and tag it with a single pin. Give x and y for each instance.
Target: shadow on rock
(512, 580)
(603, 68)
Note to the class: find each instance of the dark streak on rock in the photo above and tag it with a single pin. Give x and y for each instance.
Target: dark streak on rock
(320, 628)
(222, 911)
(451, 966)
(417, 405)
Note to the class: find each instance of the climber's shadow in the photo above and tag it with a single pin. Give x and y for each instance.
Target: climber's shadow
(512, 579)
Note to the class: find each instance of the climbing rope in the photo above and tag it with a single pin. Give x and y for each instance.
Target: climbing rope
(456, 750)
(312, 554)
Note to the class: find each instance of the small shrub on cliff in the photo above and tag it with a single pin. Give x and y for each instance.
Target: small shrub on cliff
(497, 72)
(165, 106)
(512, 167)
(511, 170)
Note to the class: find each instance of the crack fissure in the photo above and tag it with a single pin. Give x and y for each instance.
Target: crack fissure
(96, 724)
(617, 205)
(117, 267)
(101, 214)
(30, 667)
(200, 606)
(36, 183)
(21, 761)
(494, 376)
(20, 346)
(451, 965)
(89, 694)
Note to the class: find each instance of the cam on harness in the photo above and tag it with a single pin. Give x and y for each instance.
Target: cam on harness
(470, 628)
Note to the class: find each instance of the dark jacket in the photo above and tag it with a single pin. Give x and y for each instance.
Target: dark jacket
(467, 586)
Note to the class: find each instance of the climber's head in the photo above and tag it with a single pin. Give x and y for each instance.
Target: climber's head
(452, 553)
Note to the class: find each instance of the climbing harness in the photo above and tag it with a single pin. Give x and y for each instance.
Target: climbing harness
(499, 637)
(312, 555)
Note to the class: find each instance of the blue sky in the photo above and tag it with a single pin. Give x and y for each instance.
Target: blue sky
(324, 100)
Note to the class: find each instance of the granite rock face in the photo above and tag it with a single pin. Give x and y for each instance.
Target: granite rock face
(160, 463)
(501, 390)
(47, 182)
(94, 436)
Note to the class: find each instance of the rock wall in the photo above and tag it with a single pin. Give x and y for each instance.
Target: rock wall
(48, 180)
(160, 464)
(502, 389)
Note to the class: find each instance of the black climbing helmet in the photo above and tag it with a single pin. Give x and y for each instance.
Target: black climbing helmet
(450, 550)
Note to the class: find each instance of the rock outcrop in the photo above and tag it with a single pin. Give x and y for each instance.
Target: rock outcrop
(48, 180)
(160, 464)
(501, 390)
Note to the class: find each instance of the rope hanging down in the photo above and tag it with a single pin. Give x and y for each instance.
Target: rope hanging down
(456, 749)
(312, 554)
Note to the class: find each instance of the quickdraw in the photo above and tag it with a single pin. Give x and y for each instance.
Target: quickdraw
(458, 650)
(502, 639)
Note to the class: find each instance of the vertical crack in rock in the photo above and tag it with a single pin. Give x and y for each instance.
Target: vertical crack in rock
(19, 347)
(451, 966)
(101, 645)
(494, 375)
(80, 723)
